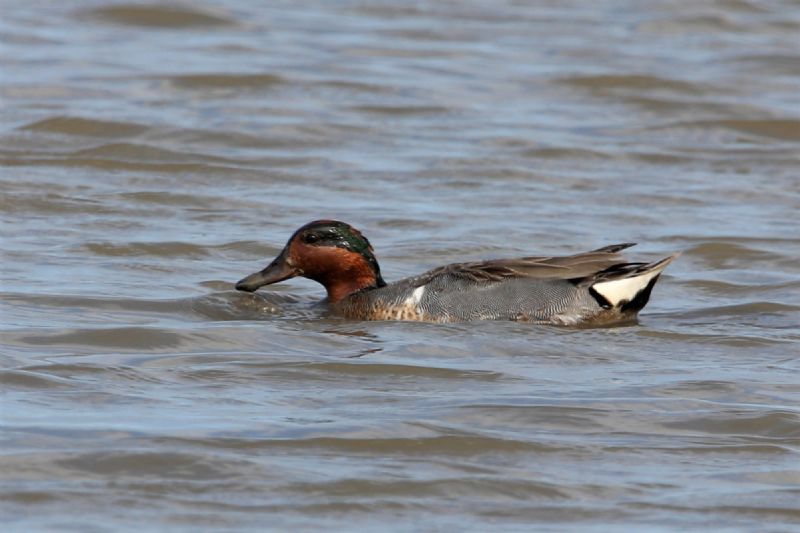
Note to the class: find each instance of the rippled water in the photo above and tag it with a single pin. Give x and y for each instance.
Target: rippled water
(154, 155)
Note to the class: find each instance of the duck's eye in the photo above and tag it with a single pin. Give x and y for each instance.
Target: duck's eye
(310, 238)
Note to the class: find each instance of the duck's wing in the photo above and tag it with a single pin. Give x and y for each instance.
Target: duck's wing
(566, 267)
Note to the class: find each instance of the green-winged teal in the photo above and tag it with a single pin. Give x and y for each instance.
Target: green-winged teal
(591, 288)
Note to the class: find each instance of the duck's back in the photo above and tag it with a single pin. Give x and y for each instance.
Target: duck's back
(595, 287)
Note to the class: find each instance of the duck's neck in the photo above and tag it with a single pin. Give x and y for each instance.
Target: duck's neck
(340, 289)
(343, 272)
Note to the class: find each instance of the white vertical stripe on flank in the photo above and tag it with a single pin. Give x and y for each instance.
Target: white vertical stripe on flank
(416, 296)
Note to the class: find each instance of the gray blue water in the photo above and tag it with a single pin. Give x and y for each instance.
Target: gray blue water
(153, 154)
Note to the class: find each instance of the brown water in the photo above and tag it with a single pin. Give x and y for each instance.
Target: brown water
(154, 155)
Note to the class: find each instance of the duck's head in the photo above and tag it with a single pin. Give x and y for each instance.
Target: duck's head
(330, 252)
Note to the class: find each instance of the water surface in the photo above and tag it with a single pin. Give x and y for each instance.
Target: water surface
(154, 154)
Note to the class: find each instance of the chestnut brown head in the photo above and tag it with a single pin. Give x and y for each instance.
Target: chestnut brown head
(330, 252)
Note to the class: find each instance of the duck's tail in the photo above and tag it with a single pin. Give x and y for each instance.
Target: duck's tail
(627, 286)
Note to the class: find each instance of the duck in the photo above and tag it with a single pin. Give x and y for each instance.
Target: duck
(593, 288)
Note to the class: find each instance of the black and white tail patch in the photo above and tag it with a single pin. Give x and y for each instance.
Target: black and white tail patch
(627, 293)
